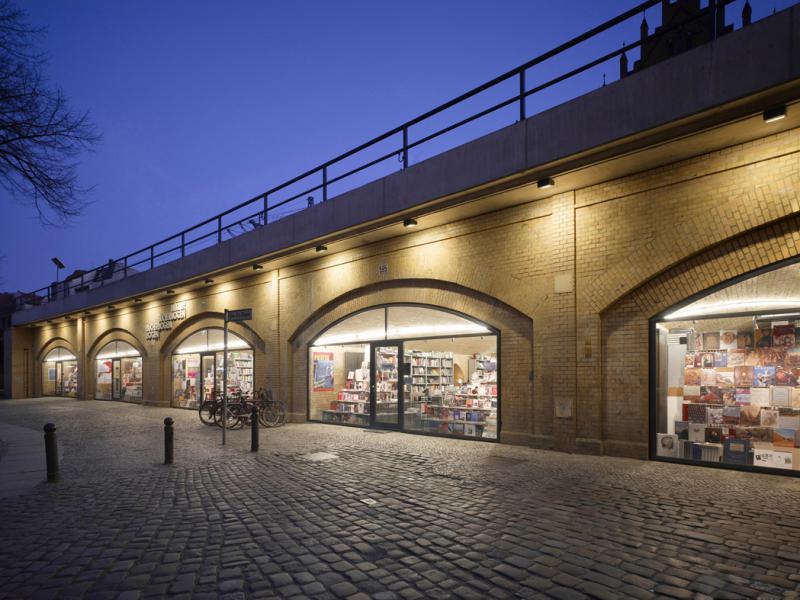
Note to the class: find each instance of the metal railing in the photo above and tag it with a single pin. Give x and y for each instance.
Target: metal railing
(282, 200)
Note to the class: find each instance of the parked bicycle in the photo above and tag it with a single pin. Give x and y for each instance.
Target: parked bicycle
(271, 412)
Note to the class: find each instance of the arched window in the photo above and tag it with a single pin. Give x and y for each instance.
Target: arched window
(411, 367)
(198, 368)
(60, 373)
(118, 369)
(727, 374)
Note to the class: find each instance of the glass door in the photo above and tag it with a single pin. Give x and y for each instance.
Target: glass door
(115, 382)
(387, 395)
(59, 379)
(208, 377)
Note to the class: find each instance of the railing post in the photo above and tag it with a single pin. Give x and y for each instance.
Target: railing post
(169, 438)
(325, 183)
(522, 95)
(254, 429)
(125, 267)
(183, 244)
(405, 147)
(219, 229)
(152, 257)
(51, 452)
(266, 208)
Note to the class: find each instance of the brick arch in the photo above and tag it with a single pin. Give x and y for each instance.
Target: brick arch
(198, 322)
(55, 343)
(516, 341)
(112, 335)
(625, 324)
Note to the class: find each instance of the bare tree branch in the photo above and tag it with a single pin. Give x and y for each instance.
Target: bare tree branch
(40, 136)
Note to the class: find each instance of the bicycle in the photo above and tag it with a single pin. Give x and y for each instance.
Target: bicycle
(271, 412)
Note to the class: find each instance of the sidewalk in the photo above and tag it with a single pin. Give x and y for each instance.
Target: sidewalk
(22, 463)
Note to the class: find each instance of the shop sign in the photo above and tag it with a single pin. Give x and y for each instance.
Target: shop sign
(177, 312)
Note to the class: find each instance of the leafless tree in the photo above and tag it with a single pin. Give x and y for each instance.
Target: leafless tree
(40, 136)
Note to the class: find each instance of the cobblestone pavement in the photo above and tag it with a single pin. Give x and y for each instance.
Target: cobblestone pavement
(390, 516)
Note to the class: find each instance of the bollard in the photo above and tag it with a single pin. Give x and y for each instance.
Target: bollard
(168, 439)
(254, 429)
(51, 452)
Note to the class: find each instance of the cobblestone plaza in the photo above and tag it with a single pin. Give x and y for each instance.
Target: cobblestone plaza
(332, 512)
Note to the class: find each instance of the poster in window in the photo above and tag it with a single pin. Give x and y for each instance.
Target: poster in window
(323, 371)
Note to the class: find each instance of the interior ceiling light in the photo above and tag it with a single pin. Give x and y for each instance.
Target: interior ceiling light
(545, 183)
(775, 113)
(257, 267)
(321, 248)
(733, 306)
(410, 222)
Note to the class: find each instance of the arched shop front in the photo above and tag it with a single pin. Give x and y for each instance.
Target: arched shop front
(725, 385)
(60, 373)
(197, 368)
(408, 367)
(118, 372)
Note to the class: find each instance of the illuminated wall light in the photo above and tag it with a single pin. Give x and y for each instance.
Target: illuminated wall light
(410, 223)
(753, 304)
(86, 313)
(111, 307)
(169, 292)
(137, 300)
(774, 114)
(545, 183)
(257, 267)
(208, 280)
(321, 248)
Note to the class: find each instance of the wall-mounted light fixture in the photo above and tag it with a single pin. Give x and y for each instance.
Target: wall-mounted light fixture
(776, 113)
(111, 307)
(137, 300)
(86, 313)
(257, 267)
(208, 280)
(544, 183)
(169, 292)
(410, 222)
(68, 318)
(321, 248)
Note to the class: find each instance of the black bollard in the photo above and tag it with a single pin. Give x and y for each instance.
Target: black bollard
(51, 452)
(168, 439)
(254, 429)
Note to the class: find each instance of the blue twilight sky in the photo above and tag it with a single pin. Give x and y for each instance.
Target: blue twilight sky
(204, 104)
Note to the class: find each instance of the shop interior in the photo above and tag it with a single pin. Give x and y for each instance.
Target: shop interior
(728, 376)
(198, 368)
(445, 384)
(118, 369)
(60, 373)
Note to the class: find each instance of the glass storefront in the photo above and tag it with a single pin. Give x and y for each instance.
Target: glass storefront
(198, 368)
(727, 376)
(411, 368)
(118, 371)
(60, 373)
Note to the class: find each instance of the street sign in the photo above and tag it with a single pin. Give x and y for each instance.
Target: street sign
(243, 314)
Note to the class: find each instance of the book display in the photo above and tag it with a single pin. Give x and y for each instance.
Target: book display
(351, 406)
(737, 393)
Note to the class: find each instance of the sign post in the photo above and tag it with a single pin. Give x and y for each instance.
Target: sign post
(235, 316)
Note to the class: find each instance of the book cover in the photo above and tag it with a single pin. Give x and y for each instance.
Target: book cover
(667, 445)
(736, 451)
(696, 413)
(761, 434)
(744, 339)
(783, 437)
(752, 358)
(697, 452)
(785, 376)
(708, 360)
(709, 394)
(743, 396)
(698, 342)
(763, 338)
(772, 459)
(682, 430)
(760, 396)
(688, 359)
(763, 376)
(711, 340)
(691, 393)
(691, 376)
(750, 416)
(697, 432)
(725, 377)
(743, 376)
(708, 377)
(727, 340)
(781, 396)
(714, 415)
(769, 417)
(736, 358)
(792, 357)
(720, 359)
(731, 415)
(714, 435)
(783, 336)
(788, 420)
(772, 356)
(728, 396)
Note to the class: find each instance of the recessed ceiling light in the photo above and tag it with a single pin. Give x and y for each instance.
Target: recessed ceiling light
(776, 113)
(321, 248)
(547, 182)
(410, 223)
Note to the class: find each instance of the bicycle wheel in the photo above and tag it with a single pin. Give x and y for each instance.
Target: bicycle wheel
(269, 415)
(207, 411)
(232, 421)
